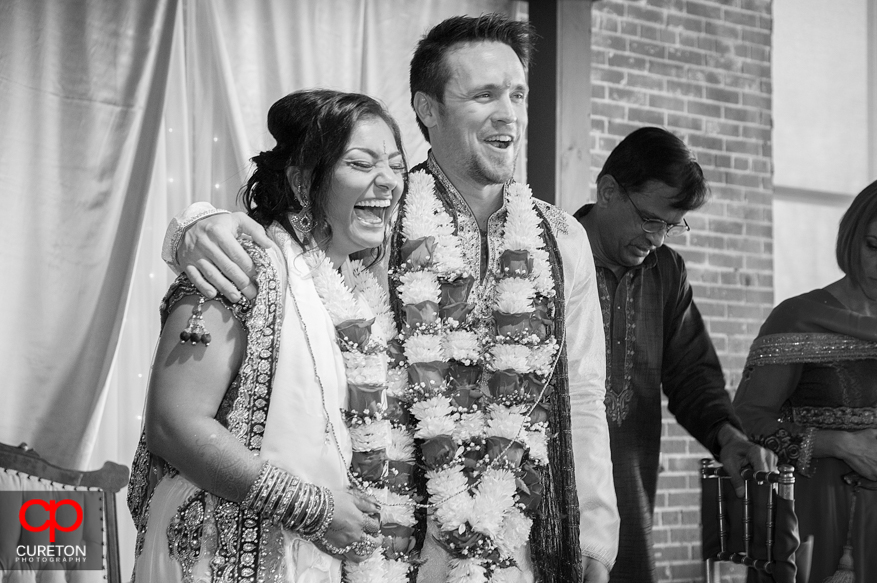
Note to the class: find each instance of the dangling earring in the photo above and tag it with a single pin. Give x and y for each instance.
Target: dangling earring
(302, 220)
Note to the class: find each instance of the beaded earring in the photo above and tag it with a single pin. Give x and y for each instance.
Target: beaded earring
(302, 220)
(195, 331)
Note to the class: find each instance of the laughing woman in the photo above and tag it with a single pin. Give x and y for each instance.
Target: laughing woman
(242, 472)
(809, 392)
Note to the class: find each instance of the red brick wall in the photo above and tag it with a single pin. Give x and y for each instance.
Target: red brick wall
(700, 69)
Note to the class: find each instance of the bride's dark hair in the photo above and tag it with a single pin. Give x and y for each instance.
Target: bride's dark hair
(312, 128)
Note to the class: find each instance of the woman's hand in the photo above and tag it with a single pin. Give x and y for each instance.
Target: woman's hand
(857, 448)
(355, 531)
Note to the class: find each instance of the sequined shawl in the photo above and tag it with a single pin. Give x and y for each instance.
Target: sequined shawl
(815, 329)
(246, 546)
(554, 538)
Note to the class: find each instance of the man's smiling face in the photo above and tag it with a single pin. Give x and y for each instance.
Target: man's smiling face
(480, 125)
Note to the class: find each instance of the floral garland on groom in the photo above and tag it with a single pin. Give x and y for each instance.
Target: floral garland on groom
(487, 380)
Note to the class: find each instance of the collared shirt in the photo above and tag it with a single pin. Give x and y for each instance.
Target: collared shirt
(655, 340)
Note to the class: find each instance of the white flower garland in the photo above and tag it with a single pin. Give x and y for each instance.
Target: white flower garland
(475, 498)
(365, 361)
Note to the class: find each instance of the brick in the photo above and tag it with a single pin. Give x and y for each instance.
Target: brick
(607, 109)
(743, 164)
(616, 8)
(756, 69)
(691, 41)
(645, 81)
(721, 30)
(714, 126)
(645, 13)
(619, 127)
(629, 28)
(705, 76)
(684, 122)
(684, 88)
(728, 227)
(706, 142)
(674, 5)
(611, 42)
(666, 69)
(666, 103)
(675, 499)
(743, 115)
(726, 63)
(708, 11)
(604, 23)
(685, 56)
(740, 17)
(725, 260)
(746, 245)
(710, 309)
(743, 147)
(757, 133)
(649, 49)
(759, 6)
(685, 22)
(757, 37)
(759, 53)
(683, 571)
(598, 126)
(744, 179)
(706, 43)
(646, 116)
(674, 446)
(631, 96)
(672, 553)
(741, 82)
(626, 61)
(723, 95)
(742, 51)
(671, 482)
(598, 92)
(704, 108)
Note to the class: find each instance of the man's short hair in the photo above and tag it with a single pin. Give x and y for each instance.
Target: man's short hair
(653, 153)
(429, 71)
(851, 233)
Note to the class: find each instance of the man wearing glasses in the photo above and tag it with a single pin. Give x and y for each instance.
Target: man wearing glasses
(655, 337)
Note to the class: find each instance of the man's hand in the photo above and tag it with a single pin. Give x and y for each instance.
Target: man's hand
(214, 260)
(737, 451)
(594, 571)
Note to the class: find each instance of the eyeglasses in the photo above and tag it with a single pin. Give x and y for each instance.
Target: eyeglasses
(653, 226)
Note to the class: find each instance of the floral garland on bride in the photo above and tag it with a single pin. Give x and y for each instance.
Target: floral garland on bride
(477, 376)
(364, 325)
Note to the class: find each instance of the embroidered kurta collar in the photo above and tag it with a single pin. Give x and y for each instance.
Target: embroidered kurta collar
(459, 200)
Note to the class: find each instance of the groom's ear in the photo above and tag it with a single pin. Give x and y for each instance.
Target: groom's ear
(426, 109)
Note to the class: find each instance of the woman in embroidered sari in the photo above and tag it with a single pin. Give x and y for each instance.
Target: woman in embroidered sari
(809, 392)
(243, 470)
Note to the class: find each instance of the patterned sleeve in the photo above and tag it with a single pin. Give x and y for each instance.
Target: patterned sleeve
(182, 287)
(760, 403)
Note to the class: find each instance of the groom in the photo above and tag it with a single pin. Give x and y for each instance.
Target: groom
(469, 91)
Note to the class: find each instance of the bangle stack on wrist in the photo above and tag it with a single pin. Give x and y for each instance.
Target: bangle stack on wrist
(287, 501)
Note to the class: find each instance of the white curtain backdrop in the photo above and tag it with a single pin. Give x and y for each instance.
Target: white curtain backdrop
(114, 116)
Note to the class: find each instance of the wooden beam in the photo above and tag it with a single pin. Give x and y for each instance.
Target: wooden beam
(558, 147)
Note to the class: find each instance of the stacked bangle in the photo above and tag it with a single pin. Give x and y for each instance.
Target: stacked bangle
(285, 500)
